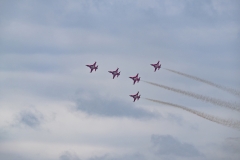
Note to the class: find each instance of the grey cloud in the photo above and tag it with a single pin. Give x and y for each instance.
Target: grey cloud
(232, 145)
(30, 118)
(104, 157)
(136, 24)
(176, 119)
(68, 156)
(166, 145)
(228, 149)
(136, 156)
(12, 156)
(98, 13)
(93, 104)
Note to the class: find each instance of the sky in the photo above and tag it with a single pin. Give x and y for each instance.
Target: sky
(53, 108)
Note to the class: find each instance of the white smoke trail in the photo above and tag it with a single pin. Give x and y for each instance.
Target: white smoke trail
(229, 90)
(225, 122)
(214, 101)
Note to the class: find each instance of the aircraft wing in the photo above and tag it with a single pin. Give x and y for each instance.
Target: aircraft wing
(134, 99)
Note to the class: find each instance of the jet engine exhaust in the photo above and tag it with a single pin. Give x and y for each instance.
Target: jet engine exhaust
(229, 90)
(228, 123)
(214, 101)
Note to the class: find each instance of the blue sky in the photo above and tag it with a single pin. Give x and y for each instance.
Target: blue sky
(51, 107)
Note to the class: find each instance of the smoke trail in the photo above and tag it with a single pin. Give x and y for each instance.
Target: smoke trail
(214, 101)
(229, 90)
(229, 123)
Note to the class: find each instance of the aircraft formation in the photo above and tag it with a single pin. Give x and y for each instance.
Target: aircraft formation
(135, 79)
(215, 101)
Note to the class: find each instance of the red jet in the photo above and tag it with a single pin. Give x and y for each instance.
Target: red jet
(135, 96)
(115, 73)
(156, 66)
(135, 79)
(92, 67)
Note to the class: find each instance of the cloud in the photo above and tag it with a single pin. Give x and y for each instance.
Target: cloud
(94, 104)
(83, 26)
(30, 118)
(72, 156)
(12, 156)
(68, 156)
(176, 119)
(166, 145)
(232, 145)
(228, 149)
(136, 156)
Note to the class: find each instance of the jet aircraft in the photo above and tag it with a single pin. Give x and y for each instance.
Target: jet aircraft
(135, 79)
(92, 67)
(135, 96)
(115, 73)
(156, 66)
